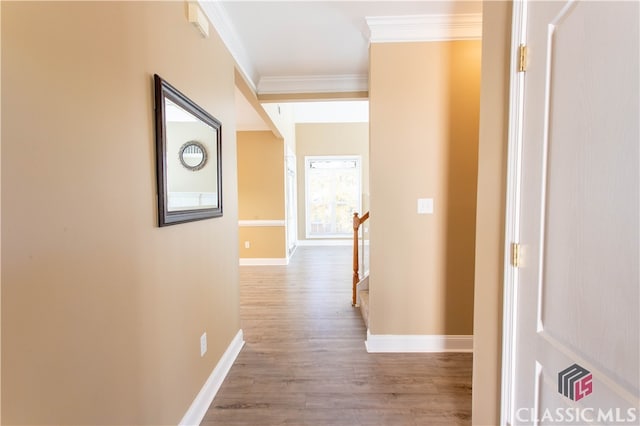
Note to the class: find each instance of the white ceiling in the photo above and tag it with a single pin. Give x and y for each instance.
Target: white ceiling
(322, 46)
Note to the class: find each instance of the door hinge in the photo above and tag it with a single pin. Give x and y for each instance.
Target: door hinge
(516, 255)
(522, 58)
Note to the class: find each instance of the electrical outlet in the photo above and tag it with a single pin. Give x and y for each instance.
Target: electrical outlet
(203, 344)
(247, 244)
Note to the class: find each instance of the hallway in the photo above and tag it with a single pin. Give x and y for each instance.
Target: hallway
(305, 362)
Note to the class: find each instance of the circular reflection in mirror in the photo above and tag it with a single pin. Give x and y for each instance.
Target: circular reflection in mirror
(193, 155)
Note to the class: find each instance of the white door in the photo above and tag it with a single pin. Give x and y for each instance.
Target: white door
(575, 336)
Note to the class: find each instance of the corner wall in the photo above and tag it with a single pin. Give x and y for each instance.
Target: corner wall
(0, 212)
(261, 196)
(424, 111)
(492, 160)
(102, 310)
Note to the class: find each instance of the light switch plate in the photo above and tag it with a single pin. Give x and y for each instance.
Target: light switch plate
(425, 205)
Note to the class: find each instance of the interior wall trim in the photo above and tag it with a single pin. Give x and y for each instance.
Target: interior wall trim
(395, 343)
(261, 223)
(396, 29)
(202, 401)
(313, 84)
(264, 261)
(223, 25)
(329, 242)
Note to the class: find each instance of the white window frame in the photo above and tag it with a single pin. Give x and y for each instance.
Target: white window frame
(307, 164)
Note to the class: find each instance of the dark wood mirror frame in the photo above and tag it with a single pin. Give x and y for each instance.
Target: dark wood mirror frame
(167, 216)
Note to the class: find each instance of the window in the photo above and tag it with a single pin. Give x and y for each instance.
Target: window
(332, 195)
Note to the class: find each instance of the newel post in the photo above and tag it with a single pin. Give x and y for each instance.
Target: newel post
(356, 276)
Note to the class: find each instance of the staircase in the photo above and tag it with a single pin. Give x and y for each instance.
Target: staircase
(363, 299)
(360, 293)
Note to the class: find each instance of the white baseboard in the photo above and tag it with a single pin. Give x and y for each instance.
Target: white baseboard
(376, 343)
(201, 403)
(264, 261)
(320, 242)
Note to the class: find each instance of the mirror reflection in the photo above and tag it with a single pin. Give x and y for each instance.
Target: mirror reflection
(193, 155)
(192, 178)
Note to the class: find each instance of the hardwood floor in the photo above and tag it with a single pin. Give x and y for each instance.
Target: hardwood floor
(305, 363)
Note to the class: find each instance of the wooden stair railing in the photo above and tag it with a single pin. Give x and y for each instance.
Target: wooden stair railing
(357, 221)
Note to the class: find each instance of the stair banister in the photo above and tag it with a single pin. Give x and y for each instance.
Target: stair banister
(357, 221)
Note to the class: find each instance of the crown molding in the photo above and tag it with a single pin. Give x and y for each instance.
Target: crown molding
(217, 15)
(383, 29)
(394, 29)
(313, 84)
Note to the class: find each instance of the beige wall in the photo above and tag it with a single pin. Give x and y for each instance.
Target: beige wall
(282, 117)
(261, 193)
(0, 213)
(424, 109)
(266, 242)
(260, 176)
(487, 325)
(102, 309)
(330, 139)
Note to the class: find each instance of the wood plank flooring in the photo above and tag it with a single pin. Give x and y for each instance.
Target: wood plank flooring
(305, 363)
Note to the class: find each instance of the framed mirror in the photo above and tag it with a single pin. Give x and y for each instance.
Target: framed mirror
(188, 160)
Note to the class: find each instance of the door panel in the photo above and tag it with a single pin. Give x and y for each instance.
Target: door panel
(578, 291)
